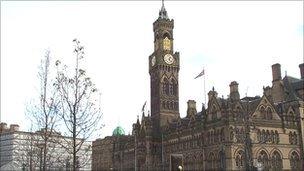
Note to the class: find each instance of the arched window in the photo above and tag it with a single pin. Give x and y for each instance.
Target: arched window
(211, 164)
(277, 137)
(239, 159)
(272, 137)
(263, 113)
(165, 86)
(295, 161)
(268, 113)
(259, 136)
(173, 87)
(268, 138)
(263, 136)
(290, 138)
(276, 161)
(231, 134)
(295, 138)
(263, 158)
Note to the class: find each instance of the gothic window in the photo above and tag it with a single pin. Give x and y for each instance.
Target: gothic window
(276, 161)
(272, 137)
(295, 138)
(173, 87)
(267, 136)
(239, 159)
(295, 161)
(259, 136)
(263, 136)
(165, 86)
(268, 113)
(277, 138)
(290, 137)
(263, 113)
(263, 158)
(231, 134)
(212, 161)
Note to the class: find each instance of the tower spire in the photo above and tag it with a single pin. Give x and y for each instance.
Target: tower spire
(163, 12)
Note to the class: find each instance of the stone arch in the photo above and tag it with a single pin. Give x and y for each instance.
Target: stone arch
(231, 133)
(269, 113)
(259, 150)
(276, 159)
(166, 34)
(262, 112)
(239, 157)
(264, 158)
(173, 86)
(295, 160)
(165, 84)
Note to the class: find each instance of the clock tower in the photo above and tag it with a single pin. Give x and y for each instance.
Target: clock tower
(163, 70)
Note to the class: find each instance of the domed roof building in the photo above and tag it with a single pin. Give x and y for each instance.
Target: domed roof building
(118, 131)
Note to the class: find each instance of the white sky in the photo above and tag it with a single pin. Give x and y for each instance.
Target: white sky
(232, 40)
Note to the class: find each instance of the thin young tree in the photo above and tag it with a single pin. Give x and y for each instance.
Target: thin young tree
(43, 114)
(80, 108)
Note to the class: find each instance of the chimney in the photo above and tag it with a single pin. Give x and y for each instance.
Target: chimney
(3, 127)
(14, 127)
(302, 70)
(191, 108)
(276, 72)
(234, 91)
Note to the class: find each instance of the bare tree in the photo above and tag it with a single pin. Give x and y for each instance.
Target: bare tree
(43, 114)
(79, 109)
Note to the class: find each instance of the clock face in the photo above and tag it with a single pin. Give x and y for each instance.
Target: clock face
(168, 58)
(153, 61)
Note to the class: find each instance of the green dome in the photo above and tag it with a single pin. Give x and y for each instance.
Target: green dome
(118, 131)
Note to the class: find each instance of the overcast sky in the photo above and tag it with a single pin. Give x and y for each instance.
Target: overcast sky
(232, 40)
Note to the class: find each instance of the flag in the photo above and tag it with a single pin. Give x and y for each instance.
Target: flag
(143, 108)
(200, 74)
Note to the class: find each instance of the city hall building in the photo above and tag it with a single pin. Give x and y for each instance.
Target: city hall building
(231, 133)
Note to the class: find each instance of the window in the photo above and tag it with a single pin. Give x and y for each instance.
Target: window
(276, 161)
(259, 136)
(268, 113)
(295, 161)
(239, 159)
(262, 112)
(165, 86)
(263, 158)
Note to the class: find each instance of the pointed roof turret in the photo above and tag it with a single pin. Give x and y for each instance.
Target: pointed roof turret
(163, 13)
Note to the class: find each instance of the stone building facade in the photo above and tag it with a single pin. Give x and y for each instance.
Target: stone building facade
(21, 150)
(231, 133)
